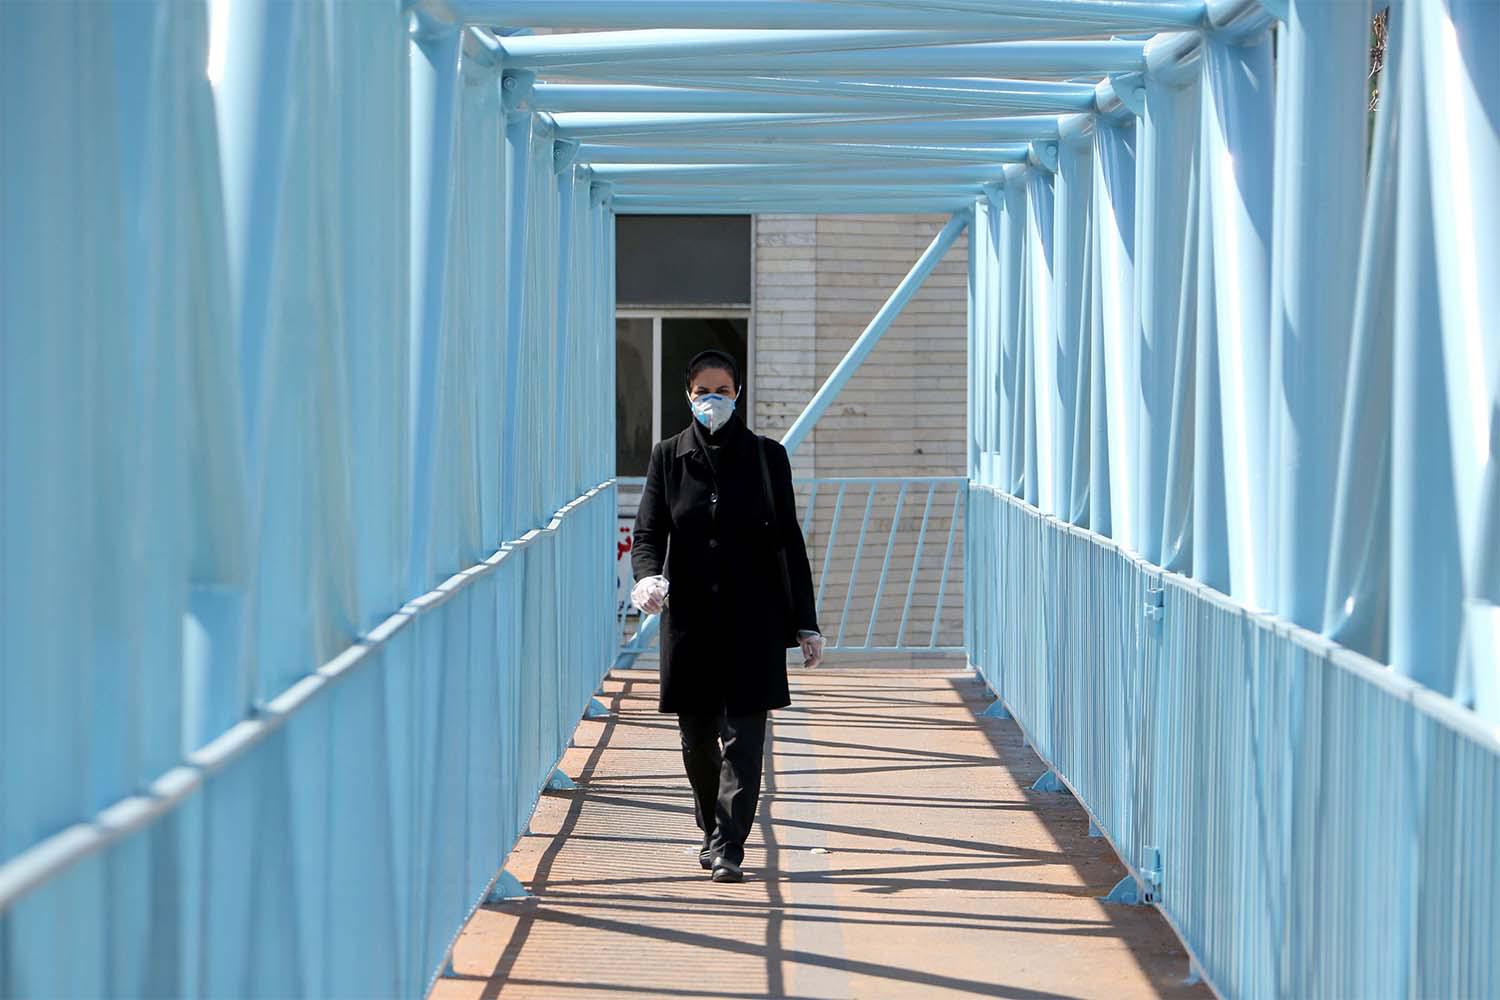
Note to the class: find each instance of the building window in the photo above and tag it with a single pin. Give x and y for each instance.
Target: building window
(635, 424)
(678, 260)
(652, 348)
(682, 286)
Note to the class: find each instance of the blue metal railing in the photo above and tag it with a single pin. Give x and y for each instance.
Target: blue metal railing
(295, 305)
(1311, 822)
(847, 573)
(388, 784)
(305, 560)
(905, 551)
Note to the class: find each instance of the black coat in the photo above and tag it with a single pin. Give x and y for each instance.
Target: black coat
(726, 627)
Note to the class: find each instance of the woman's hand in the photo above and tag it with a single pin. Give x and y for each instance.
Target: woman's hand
(812, 648)
(650, 594)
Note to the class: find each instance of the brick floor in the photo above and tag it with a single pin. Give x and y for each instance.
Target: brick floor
(898, 853)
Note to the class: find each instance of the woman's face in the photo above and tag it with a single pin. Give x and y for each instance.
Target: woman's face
(711, 380)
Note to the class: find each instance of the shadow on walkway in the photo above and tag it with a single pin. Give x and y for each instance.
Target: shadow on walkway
(898, 853)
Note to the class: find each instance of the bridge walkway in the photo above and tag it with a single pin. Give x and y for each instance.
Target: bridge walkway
(899, 852)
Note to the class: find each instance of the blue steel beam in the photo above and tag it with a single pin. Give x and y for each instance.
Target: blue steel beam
(434, 110)
(1144, 278)
(646, 205)
(1444, 594)
(940, 198)
(1357, 589)
(1462, 104)
(1320, 114)
(825, 153)
(875, 99)
(734, 193)
(959, 91)
(1059, 60)
(1237, 166)
(689, 129)
(617, 49)
(1179, 12)
(758, 174)
(803, 15)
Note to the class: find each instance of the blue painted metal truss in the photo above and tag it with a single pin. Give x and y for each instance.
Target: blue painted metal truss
(306, 351)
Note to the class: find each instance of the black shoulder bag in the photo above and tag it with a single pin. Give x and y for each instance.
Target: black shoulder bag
(780, 547)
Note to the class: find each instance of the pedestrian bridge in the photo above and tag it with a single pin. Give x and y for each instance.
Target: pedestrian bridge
(307, 506)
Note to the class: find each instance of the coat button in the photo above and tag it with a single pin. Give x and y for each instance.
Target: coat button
(714, 588)
(713, 543)
(713, 498)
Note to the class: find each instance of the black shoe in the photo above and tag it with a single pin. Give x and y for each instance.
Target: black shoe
(727, 871)
(706, 859)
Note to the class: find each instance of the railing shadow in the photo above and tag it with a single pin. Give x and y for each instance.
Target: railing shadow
(630, 904)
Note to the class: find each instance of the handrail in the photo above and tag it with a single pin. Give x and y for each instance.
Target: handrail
(51, 857)
(1226, 752)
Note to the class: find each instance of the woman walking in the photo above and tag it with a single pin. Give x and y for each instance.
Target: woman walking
(719, 554)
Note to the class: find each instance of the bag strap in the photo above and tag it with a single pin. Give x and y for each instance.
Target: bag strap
(765, 477)
(770, 497)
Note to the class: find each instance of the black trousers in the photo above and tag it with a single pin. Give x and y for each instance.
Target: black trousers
(726, 783)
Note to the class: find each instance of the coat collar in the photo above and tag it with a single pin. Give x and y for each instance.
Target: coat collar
(687, 439)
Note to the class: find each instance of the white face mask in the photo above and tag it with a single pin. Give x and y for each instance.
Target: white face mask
(712, 410)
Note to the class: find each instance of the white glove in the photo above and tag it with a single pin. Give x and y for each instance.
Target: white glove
(812, 648)
(650, 594)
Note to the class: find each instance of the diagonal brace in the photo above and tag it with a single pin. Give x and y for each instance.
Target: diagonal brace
(866, 341)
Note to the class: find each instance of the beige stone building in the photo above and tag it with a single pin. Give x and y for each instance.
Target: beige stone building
(809, 286)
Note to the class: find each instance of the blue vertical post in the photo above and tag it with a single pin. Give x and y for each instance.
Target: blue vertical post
(977, 360)
(569, 276)
(1041, 331)
(1210, 562)
(1116, 233)
(1164, 161)
(1426, 554)
(1238, 124)
(1072, 277)
(995, 463)
(434, 92)
(1357, 594)
(1463, 109)
(518, 125)
(1099, 508)
(1180, 425)
(1320, 120)
(1013, 352)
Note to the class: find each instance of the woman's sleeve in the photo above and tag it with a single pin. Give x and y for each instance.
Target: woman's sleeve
(653, 521)
(804, 603)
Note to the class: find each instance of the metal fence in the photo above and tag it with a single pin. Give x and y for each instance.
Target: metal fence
(305, 554)
(886, 554)
(1311, 822)
(297, 302)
